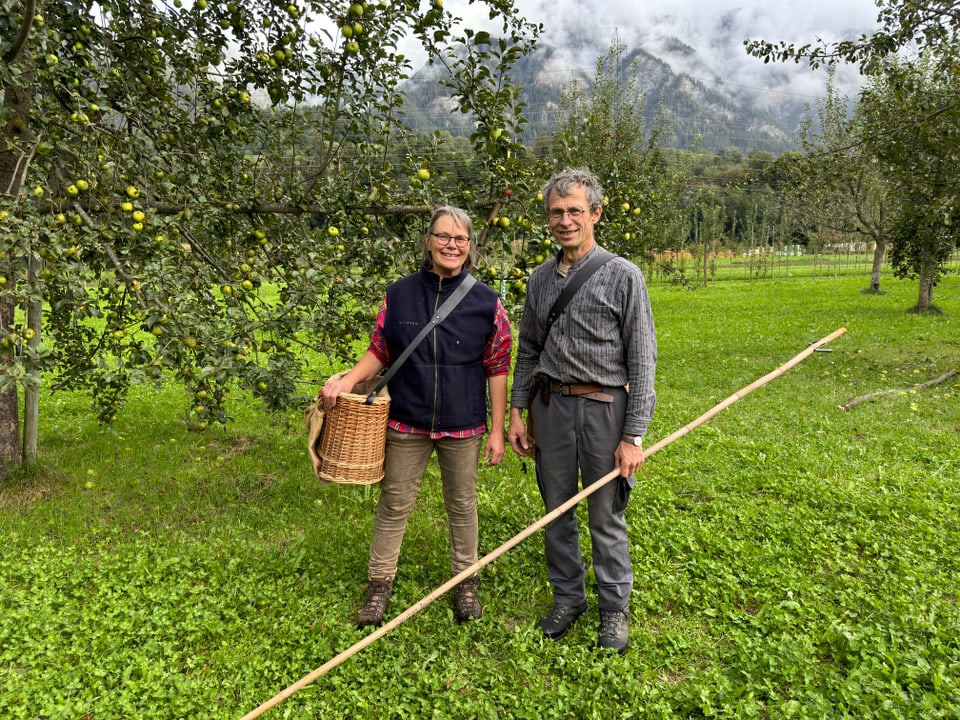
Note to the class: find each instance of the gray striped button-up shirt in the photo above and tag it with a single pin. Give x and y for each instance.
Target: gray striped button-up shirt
(605, 336)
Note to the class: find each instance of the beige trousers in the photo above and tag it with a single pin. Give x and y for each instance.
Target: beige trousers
(405, 462)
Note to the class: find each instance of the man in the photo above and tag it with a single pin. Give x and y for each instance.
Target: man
(587, 386)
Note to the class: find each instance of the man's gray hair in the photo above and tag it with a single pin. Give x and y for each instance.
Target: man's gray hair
(568, 178)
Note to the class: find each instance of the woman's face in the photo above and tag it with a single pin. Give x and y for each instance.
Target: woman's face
(449, 246)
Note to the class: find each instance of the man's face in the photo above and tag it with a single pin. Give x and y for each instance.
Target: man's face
(571, 221)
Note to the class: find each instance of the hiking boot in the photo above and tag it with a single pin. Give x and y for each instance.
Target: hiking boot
(466, 606)
(614, 630)
(560, 619)
(378, 595)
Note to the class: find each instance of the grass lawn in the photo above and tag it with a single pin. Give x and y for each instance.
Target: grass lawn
(791, 560)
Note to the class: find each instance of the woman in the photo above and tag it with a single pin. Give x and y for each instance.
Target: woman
(438, 403)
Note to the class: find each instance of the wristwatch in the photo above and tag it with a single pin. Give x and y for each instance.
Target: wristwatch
(636, 440)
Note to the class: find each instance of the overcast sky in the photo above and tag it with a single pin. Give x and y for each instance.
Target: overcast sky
(716, 29)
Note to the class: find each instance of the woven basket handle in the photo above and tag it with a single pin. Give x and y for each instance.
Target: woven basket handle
(444, 310)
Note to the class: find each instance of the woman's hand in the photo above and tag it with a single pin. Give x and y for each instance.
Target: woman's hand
(332, 389)
(493, 453)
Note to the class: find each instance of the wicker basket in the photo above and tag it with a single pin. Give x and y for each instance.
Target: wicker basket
(347, 441)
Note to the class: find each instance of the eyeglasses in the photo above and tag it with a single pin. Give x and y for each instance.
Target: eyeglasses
(445, 238)
(557, 214)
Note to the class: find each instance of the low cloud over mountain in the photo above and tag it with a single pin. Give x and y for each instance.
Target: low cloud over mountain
(690, 57)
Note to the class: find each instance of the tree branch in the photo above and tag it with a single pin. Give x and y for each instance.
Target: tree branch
(29, 8)
(111, 253)
(272, 208)
(869, 396)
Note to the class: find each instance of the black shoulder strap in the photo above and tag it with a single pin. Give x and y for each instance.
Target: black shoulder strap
(570, 289)
(449, 304)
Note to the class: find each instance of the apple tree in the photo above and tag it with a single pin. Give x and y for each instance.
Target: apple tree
(915, 138)
(209, 191)
(604, 128)
(835, 185)
(908, 122)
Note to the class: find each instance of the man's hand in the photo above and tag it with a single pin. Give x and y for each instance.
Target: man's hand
(629, 458)
(517, 434)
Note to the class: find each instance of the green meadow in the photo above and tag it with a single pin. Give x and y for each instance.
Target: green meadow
(791, 559)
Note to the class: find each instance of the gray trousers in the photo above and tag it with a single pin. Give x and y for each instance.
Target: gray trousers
(575, 437)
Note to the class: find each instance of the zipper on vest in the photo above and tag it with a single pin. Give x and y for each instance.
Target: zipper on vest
(436, 363)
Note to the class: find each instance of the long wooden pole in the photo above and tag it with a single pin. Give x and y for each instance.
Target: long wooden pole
(528, 531)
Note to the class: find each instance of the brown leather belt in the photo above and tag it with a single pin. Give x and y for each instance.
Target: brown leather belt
(592, 392)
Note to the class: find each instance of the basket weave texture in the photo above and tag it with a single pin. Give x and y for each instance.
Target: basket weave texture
(348, 447)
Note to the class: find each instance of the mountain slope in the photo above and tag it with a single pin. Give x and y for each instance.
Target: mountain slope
(697, 116)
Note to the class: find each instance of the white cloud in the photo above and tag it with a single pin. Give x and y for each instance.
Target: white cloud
(715, 29)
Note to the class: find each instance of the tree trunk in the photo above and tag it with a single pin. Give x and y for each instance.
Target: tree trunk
(705, 256)
(31, 393)
(15, 156)
(878, 251)
(11, 451)
(925, 296)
